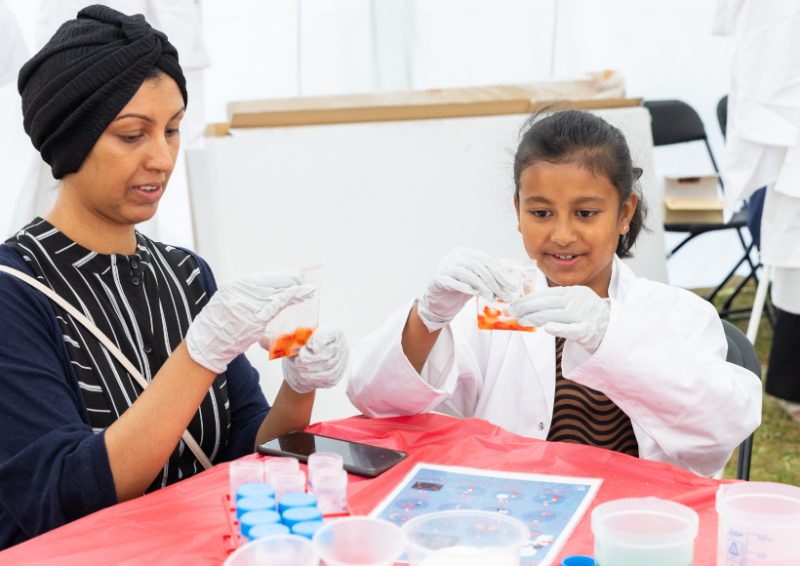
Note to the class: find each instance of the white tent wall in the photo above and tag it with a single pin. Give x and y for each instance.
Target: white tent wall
(284, 48)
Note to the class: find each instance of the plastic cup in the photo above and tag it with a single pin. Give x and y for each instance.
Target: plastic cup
(330, 487)
(267, 529)
(493, 315)
(291, 328)
(288, 482)
(645, 530)
(254, 490)
(759, 522)
(465, 537)
(307, 528)
(319, 461)
(279, 465)
(300, 515)
(364, 541)
(275, 550)
(291, 500)
(248, 504)
(242, 472)
(252, 519)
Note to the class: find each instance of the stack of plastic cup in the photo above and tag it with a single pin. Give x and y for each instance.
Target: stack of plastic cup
(330, 488)
(328, 481)
(254, 490)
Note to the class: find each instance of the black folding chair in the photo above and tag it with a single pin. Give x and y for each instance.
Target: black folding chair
(742, 353)
(673, 122)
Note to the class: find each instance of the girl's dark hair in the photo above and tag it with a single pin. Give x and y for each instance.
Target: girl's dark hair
(572, 136)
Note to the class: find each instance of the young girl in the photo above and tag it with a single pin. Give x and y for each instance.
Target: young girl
(617, 361)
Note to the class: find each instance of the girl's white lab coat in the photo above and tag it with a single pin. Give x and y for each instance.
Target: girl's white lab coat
(662, 361)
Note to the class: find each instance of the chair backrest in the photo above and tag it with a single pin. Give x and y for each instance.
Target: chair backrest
(674, 121)
(742, 353)
(722, 115)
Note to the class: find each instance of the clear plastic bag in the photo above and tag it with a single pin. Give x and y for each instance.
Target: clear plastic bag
(493, 315)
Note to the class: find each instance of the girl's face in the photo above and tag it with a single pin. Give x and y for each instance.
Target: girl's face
(571, 220)
(125, 175)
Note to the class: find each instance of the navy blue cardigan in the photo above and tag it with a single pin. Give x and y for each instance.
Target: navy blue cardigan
(53, 468)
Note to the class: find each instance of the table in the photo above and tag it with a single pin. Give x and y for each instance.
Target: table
(186, 524)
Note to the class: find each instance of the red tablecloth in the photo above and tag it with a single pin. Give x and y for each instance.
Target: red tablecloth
(186, 523)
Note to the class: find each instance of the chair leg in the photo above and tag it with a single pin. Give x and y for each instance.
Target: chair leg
(680, 245)
(758, 305)
(724, 282)
(743, 459)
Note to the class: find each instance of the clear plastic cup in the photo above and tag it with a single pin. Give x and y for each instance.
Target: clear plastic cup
(279, 465)
(644, 530)
(241, 472)
(364, 541)
(330, 487)
(275, 550)
(323, 461)
(493, 315)
(288, 482)
(465, 537)
(758, 522)
(293, 326)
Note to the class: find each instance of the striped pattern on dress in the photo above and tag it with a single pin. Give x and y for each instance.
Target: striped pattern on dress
(144, 303)
(582, 415)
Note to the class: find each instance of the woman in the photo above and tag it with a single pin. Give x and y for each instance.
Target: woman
(103, 101)
(618, 361)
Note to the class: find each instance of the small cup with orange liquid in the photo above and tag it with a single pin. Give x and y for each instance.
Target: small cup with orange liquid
(293, 326)
(493, 315)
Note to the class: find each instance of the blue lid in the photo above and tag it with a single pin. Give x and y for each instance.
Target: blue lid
(254, 490)
(577, 560)
(253, 518)
(254, 504)
(300, 514)
(266, 530)
(296, 500)
(306, 528)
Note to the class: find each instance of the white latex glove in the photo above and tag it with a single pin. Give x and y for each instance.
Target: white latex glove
(463, 273)
(237, 314)
(319, 364)
(575, 313)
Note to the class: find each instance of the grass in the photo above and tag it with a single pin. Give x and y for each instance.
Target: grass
(776, 446)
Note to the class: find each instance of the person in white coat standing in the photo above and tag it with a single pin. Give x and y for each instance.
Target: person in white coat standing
(618, 361)
(763, 149)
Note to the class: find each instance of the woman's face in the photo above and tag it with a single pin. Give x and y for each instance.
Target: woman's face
(125, 175)
(571, 221)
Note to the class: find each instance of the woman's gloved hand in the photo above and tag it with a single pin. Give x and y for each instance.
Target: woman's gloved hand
(320, 364)
(575, 313)
(463, 273)
(237, 314)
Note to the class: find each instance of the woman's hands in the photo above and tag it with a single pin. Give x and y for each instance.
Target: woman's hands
(463, 273)
(320, 363)
(575, 313)
(237, 314)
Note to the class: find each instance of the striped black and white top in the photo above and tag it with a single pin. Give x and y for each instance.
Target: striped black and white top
(144, 303)
(583, 415)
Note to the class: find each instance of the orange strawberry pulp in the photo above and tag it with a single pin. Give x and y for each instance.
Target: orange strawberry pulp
(490, 319)
(289, 344)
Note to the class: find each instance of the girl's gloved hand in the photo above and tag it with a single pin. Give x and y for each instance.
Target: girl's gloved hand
(320, 364)
(575, 313)
(237, 315)
(463, 273)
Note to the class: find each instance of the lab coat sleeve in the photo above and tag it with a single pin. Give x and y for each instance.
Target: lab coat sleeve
(665, 368)
(383, 383)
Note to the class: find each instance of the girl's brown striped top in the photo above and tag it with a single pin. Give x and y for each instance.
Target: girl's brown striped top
(586, 416)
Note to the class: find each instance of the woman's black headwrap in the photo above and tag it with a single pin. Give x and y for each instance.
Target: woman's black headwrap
(81, 79)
